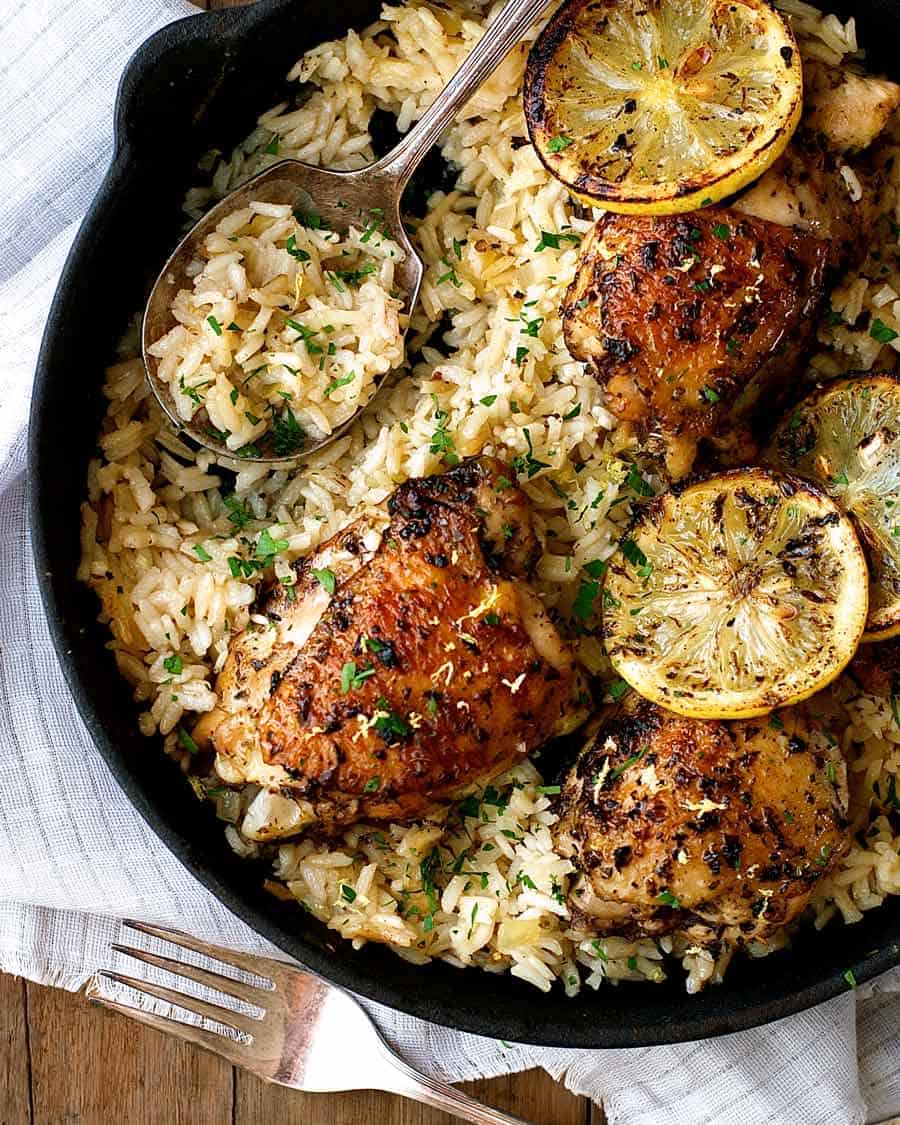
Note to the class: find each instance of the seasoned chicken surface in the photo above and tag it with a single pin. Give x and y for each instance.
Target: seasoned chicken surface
(850, 110)
(715, 831)
(824, 184)
(691, 322)
(680, 317)
(410, 659)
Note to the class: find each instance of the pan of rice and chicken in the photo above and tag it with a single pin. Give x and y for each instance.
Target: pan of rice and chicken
(557, 697)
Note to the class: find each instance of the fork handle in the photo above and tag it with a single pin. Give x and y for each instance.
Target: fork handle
(409, 1083)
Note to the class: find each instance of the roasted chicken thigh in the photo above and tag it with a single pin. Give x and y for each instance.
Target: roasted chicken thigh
(410, 659)
(687, 319)
(711, 830)
(692, 322)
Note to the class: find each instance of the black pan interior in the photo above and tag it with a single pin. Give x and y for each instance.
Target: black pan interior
(197, 84)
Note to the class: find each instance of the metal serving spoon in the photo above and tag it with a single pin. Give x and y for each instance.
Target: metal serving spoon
(340, 198)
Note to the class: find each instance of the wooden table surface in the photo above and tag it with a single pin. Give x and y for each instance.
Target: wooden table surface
(65, 1061)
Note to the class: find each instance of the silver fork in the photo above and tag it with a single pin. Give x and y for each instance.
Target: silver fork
(304, 1033)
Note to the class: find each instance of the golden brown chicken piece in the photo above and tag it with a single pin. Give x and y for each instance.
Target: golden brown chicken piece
(411, 658)
(686, 320)
(715, 831)
(824, 183)
(691, 321)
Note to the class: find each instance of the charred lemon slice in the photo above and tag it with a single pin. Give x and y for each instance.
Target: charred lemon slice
(654, 108)
(846, 438)
(735, 595)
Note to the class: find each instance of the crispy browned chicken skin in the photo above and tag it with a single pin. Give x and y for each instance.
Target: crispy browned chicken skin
(710, 830)
(431, 666)
(698, 324)
(679, 317)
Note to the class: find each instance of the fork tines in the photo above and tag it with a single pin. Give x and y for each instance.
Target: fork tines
(235, 1028)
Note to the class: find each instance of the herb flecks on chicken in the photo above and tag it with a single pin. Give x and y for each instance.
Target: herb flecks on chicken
(711, 830)
(688, 319)
(694, 322)
(410, 659)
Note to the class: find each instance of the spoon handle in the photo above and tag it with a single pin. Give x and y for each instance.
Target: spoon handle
(502, 34)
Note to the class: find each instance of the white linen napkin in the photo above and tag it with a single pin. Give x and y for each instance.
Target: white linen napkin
(75, 857)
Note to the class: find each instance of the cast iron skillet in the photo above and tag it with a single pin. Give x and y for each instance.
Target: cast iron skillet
(196, 84)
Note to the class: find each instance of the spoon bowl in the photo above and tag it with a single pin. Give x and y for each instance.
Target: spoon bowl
(340, 199)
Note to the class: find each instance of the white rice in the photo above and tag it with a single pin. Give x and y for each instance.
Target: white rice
(160, 523)
(286, 330)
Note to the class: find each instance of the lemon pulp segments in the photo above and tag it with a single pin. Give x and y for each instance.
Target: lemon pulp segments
(734, 596)
(846, 438)
(662, 107)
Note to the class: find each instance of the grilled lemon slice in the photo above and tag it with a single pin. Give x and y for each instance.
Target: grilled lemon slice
(735, 595)
(654, 108)
(846, 438)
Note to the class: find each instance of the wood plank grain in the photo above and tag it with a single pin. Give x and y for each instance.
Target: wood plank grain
(95, 1067)
(15, 1078)
(533, 1096)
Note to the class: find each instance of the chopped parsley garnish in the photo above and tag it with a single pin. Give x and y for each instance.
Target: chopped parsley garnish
(372, 785)
(630, 761)
(442, 442)
(849, 977)
(338, 382)
(353, 678)
(347, 893)
(711, 394)
(326, 579)
(775, 722)
(840, 478)
(492, 619)
(488, 400)
(217, 328)
(583, 606)
(388, 721)
(239, 515)
(636, 482)
(721, 230)
(633, 553)
(733, 346)
(174, 664)
(882, 332)
(521, 355)
(352, 277)
(457, 249)
(796, 421)
(187, 742)
(451, 275)
(503, 483)
(273, 145)
(573, 413)
(267, 547)
(617, 689)
(201, 552)
(533, 327)
(287, 434)
(551, 241)
(549, 790)
(307, 334)
(662, 63)
(296, 251)
(559, 142)
(310, 219)
(528, 464)
(668, 899)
